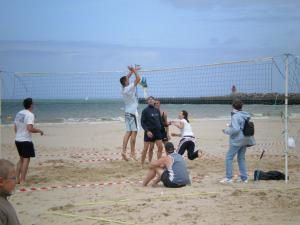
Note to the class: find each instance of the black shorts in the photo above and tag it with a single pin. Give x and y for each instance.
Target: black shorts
(164, 135)
(166, 181)
(25, 149)
(156, 136)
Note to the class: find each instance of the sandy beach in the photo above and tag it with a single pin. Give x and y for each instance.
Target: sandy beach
(78, 177)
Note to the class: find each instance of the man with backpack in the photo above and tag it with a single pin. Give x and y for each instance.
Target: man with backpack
(240, 131)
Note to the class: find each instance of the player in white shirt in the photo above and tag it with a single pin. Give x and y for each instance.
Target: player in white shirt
(187, 141)
(131, 113)
(23, 126)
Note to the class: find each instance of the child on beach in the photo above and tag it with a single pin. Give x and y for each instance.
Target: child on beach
(8, 178)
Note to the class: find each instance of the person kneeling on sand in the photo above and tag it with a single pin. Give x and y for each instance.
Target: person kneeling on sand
(8, 178)
(170, 169)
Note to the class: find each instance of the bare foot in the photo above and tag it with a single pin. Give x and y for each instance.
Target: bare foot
(200, 154)
(155, 185)
(124, 157)
(132, 155)
(21, 182)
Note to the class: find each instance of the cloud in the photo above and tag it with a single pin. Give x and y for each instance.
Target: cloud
(243, 11)
(229, 4)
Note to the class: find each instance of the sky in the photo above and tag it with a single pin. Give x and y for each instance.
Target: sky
(93, 35)
(155, 23)
(207, 30)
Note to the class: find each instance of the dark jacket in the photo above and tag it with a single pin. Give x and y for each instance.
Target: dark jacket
(151, 119)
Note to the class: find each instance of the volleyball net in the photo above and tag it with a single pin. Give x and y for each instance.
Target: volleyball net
(256, 81)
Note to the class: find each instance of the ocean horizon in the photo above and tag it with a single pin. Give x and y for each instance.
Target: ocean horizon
(86, 111)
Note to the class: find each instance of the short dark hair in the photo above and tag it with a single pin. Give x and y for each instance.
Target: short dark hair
(237, 104)
(5, 167)
(122, 80)
(169, 147)
(27, 103)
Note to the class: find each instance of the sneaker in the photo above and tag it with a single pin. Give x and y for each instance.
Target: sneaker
(226, 181)
(242, 181)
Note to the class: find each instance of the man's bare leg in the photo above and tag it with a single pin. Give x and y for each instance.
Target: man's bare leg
(150, 152)
(151, 174)
(18, 170)
(144, 152)
(24, 169)
(159, 172)
(159, 148)
(132, 145)
(125, 142)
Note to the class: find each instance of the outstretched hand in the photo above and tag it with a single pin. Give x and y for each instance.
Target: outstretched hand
(130, 68)
(137, 67)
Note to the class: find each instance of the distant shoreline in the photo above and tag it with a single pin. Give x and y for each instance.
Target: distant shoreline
(247, 98)
(253, 98)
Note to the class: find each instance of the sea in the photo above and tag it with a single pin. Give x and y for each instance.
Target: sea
(94, 111)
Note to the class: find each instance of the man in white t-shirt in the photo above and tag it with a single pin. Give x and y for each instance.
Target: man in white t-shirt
(131, 113)
(24, 122)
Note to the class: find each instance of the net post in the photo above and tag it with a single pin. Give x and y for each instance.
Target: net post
(1, 156)
(286, 116)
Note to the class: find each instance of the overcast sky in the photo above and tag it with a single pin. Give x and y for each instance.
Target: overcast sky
(228, 29)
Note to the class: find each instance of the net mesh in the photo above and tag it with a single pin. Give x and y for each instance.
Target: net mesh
(252, 79)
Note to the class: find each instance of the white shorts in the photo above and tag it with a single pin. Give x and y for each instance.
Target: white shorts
(131, 122)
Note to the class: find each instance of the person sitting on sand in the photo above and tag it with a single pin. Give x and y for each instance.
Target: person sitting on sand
(8, 215)
(170, 169)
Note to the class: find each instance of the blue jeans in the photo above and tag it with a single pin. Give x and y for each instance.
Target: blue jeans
(240, 151)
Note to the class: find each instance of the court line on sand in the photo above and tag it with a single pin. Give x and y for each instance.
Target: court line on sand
(31, 189)
(102, 184)
(92, 218)
(80, 154)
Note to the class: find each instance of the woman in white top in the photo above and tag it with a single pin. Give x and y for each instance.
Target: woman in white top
(187, 141)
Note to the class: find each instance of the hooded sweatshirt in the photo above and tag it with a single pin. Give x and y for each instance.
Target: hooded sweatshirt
(235, 130)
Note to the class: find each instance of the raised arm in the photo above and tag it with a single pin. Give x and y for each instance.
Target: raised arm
(129, 73)
(134, 70)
